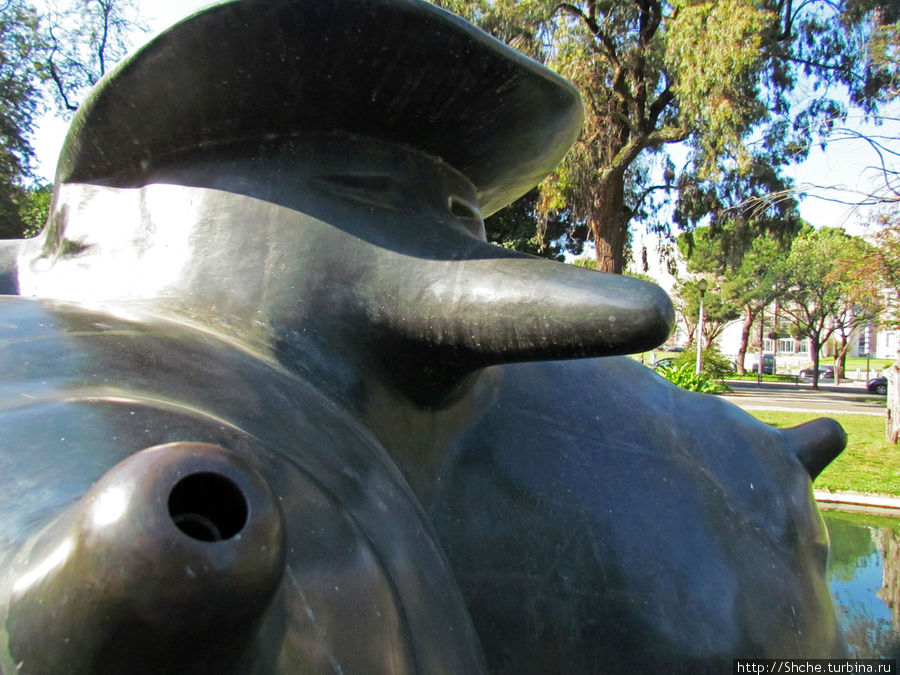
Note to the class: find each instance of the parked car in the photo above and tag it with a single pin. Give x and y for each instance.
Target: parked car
(877, 385)
(768, 364)
(665, 363)
(825, 372)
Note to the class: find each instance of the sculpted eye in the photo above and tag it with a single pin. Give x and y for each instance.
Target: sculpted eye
(462, 209)
(469, 216)
(376, 189)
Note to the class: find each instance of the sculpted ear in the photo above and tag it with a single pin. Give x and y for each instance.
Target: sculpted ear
(816, 443)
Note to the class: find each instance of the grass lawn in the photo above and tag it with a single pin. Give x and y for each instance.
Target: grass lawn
(753, 377)
(868, 465)
(875, 365)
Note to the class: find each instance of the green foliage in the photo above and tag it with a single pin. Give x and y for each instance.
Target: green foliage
(718, 308)
(591, 264)
(714, 51)
(719, 75)
(814, 295)
(823, 298)
(19, 107)
(683, 375)
(34, 209)
(713, 365)
(747, 261)
(877, 262)
(740, 202)
(884, 47)
(519, 226)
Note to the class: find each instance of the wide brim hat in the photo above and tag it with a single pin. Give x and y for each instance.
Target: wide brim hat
(402, 71)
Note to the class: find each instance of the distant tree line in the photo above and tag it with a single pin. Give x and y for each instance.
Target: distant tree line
(825, 283)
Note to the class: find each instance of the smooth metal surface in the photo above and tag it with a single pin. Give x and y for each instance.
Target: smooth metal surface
(261, 378)
(632, 526)
(364, 587)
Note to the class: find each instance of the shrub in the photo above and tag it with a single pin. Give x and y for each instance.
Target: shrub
(683, 375)
(714, 366)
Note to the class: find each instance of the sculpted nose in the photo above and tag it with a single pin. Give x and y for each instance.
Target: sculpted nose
(168, 563)
(491, 308)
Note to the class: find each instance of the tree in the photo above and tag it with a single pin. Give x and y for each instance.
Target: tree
(861, 302)
(81, 40)
(34, 209)
(759, 280)
(878, 265)
(68, 48)
(514, 227)
(716, 75)
(718, 309)
(749, 263)
(820, 297)
(880, 261)
(19, 107)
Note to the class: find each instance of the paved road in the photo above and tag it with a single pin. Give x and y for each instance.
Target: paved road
(828, 399)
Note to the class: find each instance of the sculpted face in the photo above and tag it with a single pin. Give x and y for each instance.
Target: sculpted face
(314, 239)
(295, 206)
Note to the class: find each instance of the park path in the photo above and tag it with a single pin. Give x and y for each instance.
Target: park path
(848, 398)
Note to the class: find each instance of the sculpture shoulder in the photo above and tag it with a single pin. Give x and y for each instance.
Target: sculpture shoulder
(154, 380)
(53, 346)
(55, 353)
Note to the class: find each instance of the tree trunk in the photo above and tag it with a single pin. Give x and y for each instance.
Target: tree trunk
(815, 348)
(746, 327)
(840, 358)
(892, 409)
(609, 222)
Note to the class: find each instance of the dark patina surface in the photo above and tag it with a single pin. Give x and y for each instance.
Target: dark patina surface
(270, 403)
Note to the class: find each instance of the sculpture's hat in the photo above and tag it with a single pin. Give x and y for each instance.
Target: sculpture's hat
(403, 71)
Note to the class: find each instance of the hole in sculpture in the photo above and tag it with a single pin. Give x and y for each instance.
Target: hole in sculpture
(208, 507)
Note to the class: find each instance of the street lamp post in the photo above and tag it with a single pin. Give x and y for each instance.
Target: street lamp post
(701, 285)
(759, 367)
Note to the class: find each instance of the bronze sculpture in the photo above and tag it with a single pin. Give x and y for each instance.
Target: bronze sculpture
(263, 311)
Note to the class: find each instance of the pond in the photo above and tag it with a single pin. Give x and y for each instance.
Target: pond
(864, 576)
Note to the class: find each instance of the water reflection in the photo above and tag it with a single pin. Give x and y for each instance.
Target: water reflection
(864, 576)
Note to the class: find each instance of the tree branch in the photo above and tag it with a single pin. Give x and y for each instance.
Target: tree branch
(649, 190)
(660, 104)
(106, 6)
(609, 47)
(55, 76)
(668, 135)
